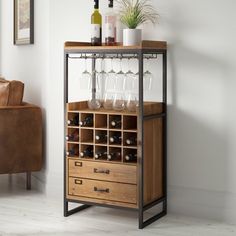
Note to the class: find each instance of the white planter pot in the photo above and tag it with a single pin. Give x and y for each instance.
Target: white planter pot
(132, 37)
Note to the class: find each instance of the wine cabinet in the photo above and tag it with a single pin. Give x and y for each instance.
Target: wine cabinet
(116, 158)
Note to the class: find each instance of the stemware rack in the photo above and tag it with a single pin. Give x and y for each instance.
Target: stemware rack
(137, 185)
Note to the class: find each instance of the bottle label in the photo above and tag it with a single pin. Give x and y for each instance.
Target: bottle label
(110, 30)
(95, 31)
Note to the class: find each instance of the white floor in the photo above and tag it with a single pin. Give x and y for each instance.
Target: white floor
(31, 213)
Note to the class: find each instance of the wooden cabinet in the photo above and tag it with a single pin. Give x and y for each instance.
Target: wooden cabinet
(97, 166)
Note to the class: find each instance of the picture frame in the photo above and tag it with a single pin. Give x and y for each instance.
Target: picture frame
(23, 22)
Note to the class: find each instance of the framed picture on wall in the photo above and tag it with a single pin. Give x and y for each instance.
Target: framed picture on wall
(23, 22)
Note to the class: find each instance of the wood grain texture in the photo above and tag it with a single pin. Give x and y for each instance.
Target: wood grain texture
(114, 191)
(153, 160)
(150, 108)
(102, 201)
(117, 172)
(73, 106)
(145, 44)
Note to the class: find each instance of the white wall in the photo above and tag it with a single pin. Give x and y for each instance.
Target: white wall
(29, 64)
(201, 36)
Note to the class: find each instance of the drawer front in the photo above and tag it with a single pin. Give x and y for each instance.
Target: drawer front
(103, 171)
(103, 190)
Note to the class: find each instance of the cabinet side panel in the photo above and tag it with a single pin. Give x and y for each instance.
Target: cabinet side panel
(153, 160)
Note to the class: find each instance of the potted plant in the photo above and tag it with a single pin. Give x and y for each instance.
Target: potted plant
(134, 13)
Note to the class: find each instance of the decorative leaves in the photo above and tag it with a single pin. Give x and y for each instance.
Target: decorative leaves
(137, 12)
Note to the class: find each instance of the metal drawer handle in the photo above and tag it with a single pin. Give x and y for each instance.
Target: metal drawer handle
(78, 181)
(78, 163)
(101, 190)
(95, 170)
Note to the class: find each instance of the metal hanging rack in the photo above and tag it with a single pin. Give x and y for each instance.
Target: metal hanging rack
(111, 56)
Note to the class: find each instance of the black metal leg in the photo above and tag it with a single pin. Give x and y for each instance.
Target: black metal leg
(165, 131)
(163, 201)
(28, 180)
(68, 212)
(143, 224)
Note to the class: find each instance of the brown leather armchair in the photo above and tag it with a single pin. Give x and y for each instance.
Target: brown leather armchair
(20, 139)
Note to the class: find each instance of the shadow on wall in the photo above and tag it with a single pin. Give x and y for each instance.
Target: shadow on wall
(198, 136)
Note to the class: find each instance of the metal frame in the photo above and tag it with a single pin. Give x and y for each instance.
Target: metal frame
(140, 54)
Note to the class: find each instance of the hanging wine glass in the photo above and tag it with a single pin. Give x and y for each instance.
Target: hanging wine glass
(132, 102)
(129, 77)
(95, 102)
(119, 101)
(120, 78)
(85, 77)
(129, 72)
(101, 80)
(108, 100)
(148, 77)
(111, 78)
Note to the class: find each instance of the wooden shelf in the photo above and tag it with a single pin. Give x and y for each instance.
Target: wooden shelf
(150, 108)
(145, 44)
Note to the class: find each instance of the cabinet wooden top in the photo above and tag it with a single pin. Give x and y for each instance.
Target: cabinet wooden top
(155, 45)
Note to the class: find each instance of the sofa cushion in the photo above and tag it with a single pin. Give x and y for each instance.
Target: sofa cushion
(11, 92)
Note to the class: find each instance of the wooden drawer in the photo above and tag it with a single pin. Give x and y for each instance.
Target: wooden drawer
(103, 190)
(103, 171)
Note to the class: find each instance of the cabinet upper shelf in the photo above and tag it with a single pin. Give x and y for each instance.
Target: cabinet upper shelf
(144, 45)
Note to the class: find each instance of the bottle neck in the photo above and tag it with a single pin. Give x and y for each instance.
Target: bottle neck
(96, 4)
(110, 5)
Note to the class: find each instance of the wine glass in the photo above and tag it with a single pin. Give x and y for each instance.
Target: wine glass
(111, 78)
(94, 102)
(120, 78)
(132, 102)
(129, 72)
(101, 80)
(108, 100)
(129, 77)
(148, 77)
(119, 101)
(86, 76)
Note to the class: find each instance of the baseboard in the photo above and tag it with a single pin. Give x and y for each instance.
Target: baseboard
(215, 205)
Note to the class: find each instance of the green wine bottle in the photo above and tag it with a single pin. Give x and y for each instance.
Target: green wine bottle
(96, 26)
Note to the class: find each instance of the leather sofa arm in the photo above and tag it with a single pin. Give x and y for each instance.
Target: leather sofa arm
(20, 139)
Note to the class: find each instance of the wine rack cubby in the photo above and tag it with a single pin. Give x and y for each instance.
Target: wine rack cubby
(112, 128)
(130, 171)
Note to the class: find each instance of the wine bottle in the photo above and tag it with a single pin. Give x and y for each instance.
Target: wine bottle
(131, 157)
(100, 154)
(96, 26)
(110, 25)
(101, 137)
(88, 152)
(113, 156)
(115, 139)
(74, 121)
(72, 152)
(73, 137)
(88, 121)
(131, 141)
(116, 122)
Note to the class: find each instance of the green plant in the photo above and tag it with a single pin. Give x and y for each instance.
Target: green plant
(136, 12)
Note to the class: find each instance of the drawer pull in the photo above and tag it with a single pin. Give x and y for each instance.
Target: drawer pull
(101, 190)
(78, 181)
(78, 163)
(101, 171)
